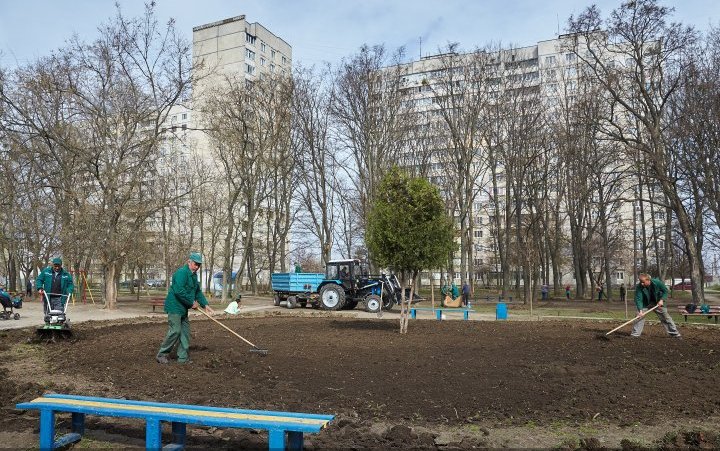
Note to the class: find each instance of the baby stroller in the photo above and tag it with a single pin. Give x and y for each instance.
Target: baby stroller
(8, 304)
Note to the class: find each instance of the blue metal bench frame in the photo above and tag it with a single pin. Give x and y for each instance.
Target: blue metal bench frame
(438, 311)
(280, 425)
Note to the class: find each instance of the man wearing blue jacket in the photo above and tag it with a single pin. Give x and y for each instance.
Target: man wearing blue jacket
(56, 283)
(184, 294)
(648, 293)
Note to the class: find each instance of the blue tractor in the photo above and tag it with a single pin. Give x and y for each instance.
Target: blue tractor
(344, 285)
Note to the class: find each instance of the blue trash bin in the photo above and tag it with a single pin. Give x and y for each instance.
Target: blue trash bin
(501, 311)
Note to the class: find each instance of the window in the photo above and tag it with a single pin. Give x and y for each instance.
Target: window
(250, 54)
(263, 46)
(183, 126)
(478, 262)
(549, 60)
(262, 61)
(272, 68)
(569, 57)
(249, 69)
(284, 60)
(272, 55)
(620, 275)
(660, 215)
(250, 39)
(184, 116)
(478, 234)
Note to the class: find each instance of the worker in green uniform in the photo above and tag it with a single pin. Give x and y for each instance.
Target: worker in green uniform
(184, 294)
(56, 283)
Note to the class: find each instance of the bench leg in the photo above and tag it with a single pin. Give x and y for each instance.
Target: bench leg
(276, 439)
(295, 440)
(178, 433)
(438, 315)
(413, 313)
(466, 315)
(47, 429)
(78, 423)
(153, 434)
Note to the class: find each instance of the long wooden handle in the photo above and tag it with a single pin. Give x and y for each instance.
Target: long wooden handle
(223, 325)
(632, 320)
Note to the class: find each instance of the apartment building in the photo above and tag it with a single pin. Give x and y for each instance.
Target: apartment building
(228, 50)
(547, 72)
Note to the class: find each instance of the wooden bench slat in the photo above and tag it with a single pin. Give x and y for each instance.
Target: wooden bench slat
(187, 406)
(204, 417)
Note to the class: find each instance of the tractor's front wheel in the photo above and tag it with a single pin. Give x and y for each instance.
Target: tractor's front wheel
(332, 297)
(388, 302)
(372, 303)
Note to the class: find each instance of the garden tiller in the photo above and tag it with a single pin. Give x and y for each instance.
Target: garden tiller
(57, 324)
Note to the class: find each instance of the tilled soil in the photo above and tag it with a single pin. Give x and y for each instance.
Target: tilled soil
(460, 384)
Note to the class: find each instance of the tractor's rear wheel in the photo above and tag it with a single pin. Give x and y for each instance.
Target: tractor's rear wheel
(372, 303)
(332, 297)
(291, 302)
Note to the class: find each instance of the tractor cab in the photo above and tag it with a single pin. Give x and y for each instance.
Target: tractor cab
(347, 272)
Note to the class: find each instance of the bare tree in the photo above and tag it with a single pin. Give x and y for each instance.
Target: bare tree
(639, 60)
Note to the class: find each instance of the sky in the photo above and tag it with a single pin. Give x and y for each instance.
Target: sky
(323, 30)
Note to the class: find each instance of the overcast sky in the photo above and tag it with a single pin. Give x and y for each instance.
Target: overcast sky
(323, 30)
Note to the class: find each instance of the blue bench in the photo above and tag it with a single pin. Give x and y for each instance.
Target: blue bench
(440, 310)
(285, 429)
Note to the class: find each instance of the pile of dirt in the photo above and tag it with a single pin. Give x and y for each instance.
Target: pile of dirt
(445, 384)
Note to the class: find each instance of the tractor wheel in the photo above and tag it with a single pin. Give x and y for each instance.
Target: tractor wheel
(388, 302)
(349, 305)
(332, 297)
(372, 303)
(276, 300)
(291, 302)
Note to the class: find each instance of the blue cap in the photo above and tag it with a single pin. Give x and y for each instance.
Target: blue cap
(196, 257)
(57, 261)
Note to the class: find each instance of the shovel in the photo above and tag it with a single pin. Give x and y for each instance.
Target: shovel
(630, 321)
(262, 352)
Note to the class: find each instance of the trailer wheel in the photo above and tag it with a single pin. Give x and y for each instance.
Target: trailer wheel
(291, 302)
(372, 303)
(276, 300)
(332, 297)
(16, 316)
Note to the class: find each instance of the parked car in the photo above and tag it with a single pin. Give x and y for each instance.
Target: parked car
(683, 286)
(155, 283)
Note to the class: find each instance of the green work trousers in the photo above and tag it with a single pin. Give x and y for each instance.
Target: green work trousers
(178, 334)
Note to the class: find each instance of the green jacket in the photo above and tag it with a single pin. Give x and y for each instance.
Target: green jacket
(642, 294)
(184, 290)
(44, 282)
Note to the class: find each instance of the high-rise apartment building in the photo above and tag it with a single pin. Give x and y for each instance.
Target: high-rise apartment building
(548, 73)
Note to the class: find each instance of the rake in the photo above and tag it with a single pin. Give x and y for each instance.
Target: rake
(255, 349)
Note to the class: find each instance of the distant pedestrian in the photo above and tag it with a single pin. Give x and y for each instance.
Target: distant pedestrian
(600, 291)
(567, 292)
(622, 292)
(466, 293)
(298, 268)
(544, 291)
(28, 287)
(649, 293)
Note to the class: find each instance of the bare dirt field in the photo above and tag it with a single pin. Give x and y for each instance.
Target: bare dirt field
(446, 385)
